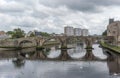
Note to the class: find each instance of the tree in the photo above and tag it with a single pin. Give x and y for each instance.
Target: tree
(32, 35)
(10, 32)
(45, 34)
(16, 33)
(104, 33)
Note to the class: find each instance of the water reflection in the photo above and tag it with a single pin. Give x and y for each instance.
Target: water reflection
(89, 55)
(64, 55)
(18, 63)
(30, 65)
(54, 52)
(78, 51)
(113, 64)
(98, 52)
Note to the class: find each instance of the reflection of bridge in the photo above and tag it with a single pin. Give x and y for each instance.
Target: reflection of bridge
(63, 56)
(63, 40)
(113, 60)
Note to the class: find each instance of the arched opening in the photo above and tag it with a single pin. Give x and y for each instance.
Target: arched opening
(26, 43)
(52, 41)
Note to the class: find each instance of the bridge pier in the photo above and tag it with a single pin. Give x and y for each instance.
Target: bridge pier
(64, 45)
(89, 43)
(42, 55)
(89, 56)
(38, 55)
(64, 55)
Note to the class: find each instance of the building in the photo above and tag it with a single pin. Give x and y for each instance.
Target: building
(113, 29)
(111, 20)
(69, 31)
(77, 31)
(84, 32)
(28, 34)
(3, 35)
(37, 33)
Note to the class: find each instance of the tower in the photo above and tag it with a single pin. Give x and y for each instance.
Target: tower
(111, 20)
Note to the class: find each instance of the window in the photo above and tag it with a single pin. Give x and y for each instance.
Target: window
(114, 32)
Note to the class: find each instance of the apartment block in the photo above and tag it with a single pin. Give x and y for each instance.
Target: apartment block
(69, 31)
(77, 31)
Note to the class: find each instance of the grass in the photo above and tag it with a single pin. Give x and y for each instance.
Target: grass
(114, 48)
(51, 43)
(15, 47)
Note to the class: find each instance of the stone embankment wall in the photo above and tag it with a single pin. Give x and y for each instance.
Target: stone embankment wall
(7, 43)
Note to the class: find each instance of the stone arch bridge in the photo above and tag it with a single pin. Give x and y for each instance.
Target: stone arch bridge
(63, 40)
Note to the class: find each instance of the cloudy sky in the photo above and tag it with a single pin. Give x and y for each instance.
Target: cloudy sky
(54, 15)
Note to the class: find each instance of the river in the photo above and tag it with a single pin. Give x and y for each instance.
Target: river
(62, 69)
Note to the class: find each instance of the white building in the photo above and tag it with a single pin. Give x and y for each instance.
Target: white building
(84, 32)
(77, 31)
(28, 34)
(69, 31)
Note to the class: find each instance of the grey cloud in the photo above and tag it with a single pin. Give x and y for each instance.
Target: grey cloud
(78, 5)
(81, 5)
(53, 15)
(38, 14)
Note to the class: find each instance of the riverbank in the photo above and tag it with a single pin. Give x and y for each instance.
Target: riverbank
(110, 47)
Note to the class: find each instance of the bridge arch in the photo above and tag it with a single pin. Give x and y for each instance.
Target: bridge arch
(55, 38)
(70, 39)
(23, 43)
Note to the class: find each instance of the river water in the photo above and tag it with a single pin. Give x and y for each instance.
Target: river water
(62, 69)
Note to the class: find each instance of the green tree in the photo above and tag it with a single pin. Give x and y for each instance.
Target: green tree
(104, 33)
(32, 35)
(10, 32)
(16, 33)
(45, 34)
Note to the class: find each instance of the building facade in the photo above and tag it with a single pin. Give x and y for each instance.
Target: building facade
(77, 31)
(69, 31)
(3, 35)
(113, 29)
(84, 32)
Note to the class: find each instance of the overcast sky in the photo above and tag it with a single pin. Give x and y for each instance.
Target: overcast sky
(53, 15)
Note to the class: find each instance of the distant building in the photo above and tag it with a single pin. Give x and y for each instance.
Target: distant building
(111, 20)
(113, 29)
(77, 31)
(69, 31)
(3, 35)
(37, 33)
(84, 32)
(28, 34)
